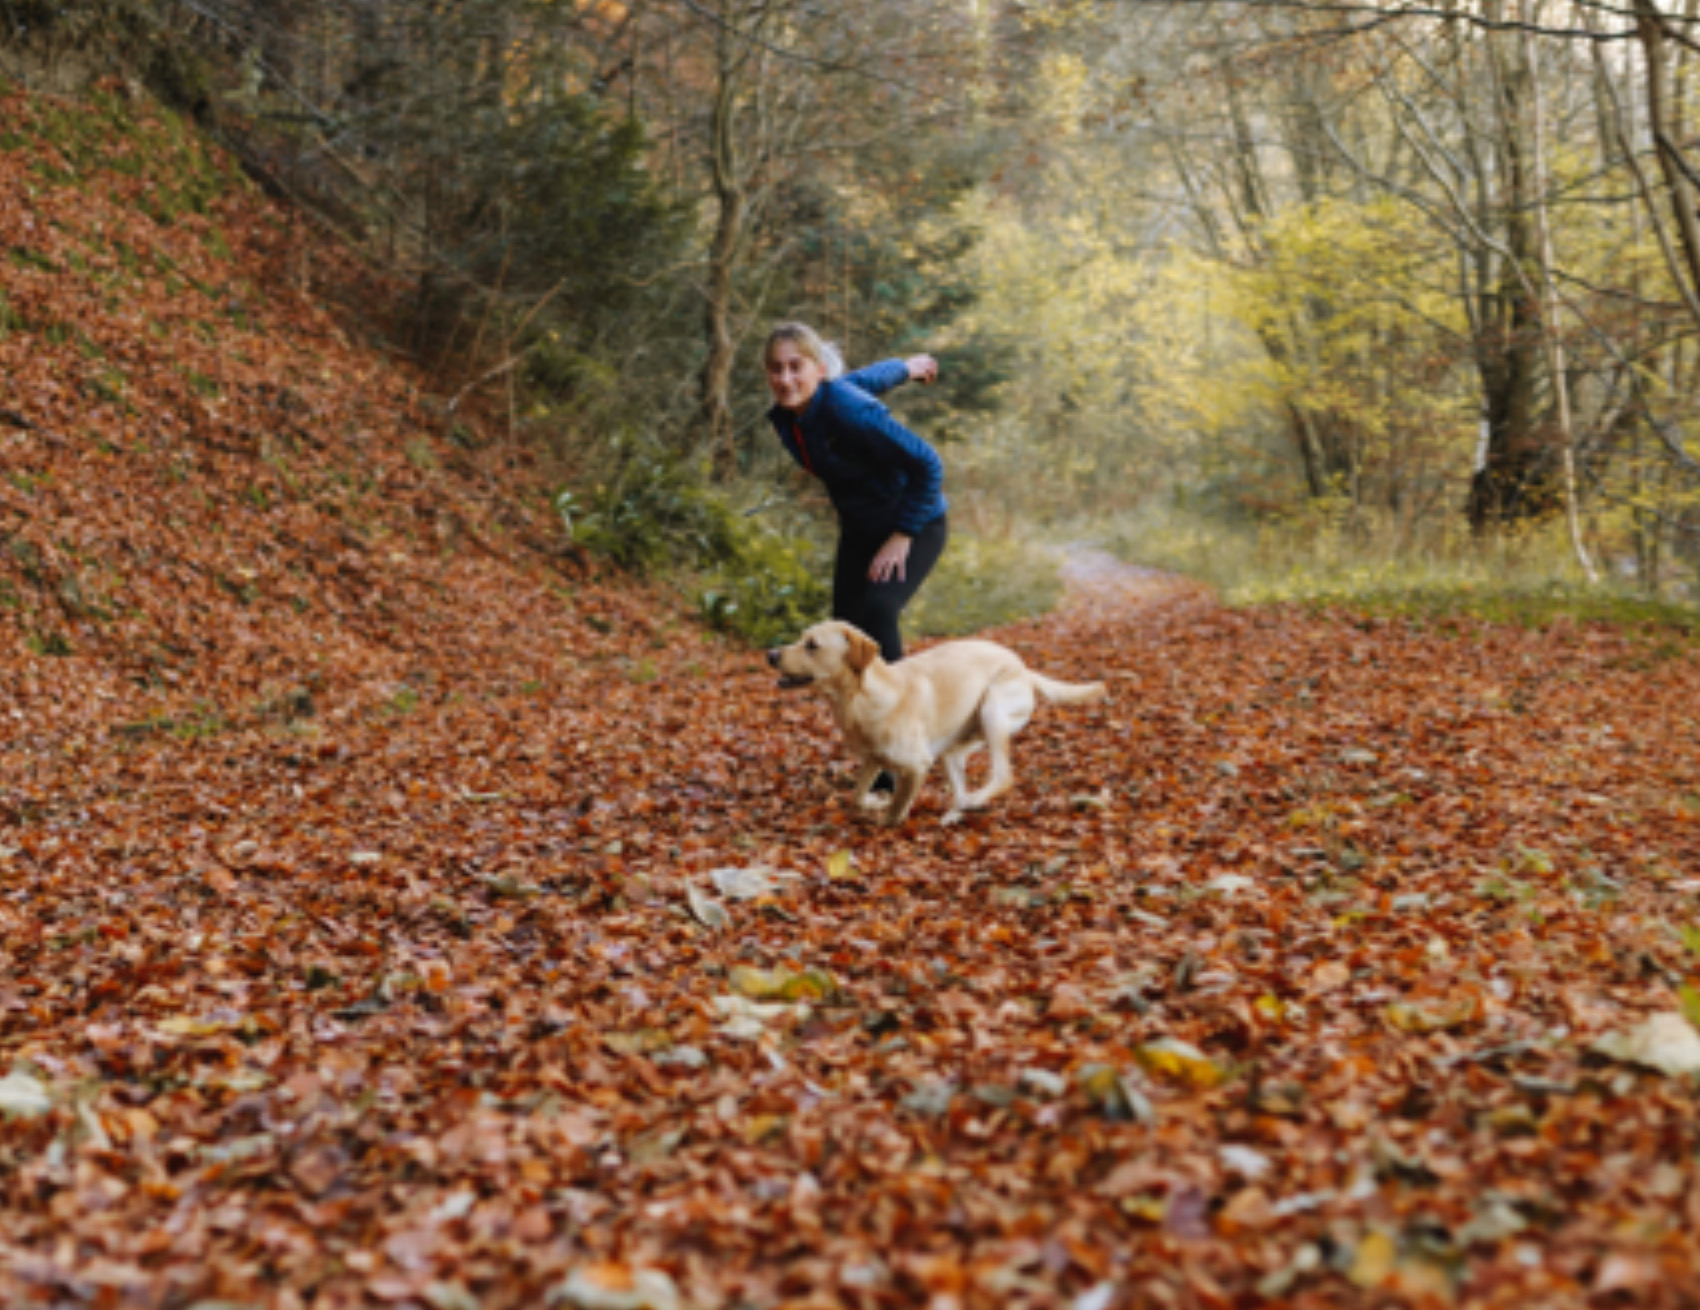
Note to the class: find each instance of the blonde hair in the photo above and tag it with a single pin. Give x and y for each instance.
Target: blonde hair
(807, 341)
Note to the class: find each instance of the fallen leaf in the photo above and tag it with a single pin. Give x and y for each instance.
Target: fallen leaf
(1249, 1208)
(1114, 1095)
(783, 984)
(318, 1168)
(709, 912)
(1042, 1081)
(1625, 1271)
(751, 883)
(184, 1025)
(745, 1019)
(1173, 1058)
(1666, 1042)
(1249, 1163)
(839, 866)
(616, 1287)
(639, 1041)
(23, 1095)
(1373, 1262)
(1433, 1016)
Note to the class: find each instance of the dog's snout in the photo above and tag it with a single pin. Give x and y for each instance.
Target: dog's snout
(773, 657)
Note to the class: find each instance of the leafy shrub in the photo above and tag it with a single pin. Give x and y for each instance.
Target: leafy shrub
(769, 594)
(655, 515)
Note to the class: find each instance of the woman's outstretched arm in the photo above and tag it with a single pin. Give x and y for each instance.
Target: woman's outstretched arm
(876, 379)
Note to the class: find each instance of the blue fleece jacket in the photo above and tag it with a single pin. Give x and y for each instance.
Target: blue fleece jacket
(882, 478)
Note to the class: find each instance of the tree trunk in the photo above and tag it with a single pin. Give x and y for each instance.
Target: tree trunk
(1659, 103)
(1513, 479)
(1554, 341)
(1513, 476)
(713, 423)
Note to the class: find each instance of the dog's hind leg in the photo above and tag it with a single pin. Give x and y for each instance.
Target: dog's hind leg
(956, 769)
(1003, 713)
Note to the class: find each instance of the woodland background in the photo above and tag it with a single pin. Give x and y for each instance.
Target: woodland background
(1334, 293)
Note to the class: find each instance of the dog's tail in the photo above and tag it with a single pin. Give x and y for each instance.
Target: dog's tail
(1068, 693)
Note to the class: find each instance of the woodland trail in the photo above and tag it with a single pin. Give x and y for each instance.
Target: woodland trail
(1274, 979)
(357, 847)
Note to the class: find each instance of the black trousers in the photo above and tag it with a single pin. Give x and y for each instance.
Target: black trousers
(874, 607)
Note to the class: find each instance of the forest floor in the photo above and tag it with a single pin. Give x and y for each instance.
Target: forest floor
(1276, 978)
(397, 912)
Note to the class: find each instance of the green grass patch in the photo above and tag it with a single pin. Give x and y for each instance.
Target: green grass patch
(48, 645)
(420, 454)
(1528, 607)
(985, 582)
(1324, 560)
(101, 133)
(24, 257)
(201, 722)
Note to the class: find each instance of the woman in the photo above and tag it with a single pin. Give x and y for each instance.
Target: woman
(885, 482)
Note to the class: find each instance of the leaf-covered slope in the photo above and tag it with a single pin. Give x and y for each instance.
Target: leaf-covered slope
(216, 505)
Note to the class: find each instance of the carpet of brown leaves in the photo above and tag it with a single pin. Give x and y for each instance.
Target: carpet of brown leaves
(380, 926)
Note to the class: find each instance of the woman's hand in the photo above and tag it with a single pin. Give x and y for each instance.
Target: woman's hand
(888, 564)
(923, 369)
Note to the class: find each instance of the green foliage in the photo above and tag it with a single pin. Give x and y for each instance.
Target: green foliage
(141, 35)
(48, 644)
(421, 455)
(656, 515)
(1055, 310)
(204, 720)
(653, 513)
(769, 593)
(179, 76)
(568, 205)
(919, 285)
(547, 200)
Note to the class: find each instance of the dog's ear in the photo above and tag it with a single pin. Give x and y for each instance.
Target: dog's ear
(864, 650)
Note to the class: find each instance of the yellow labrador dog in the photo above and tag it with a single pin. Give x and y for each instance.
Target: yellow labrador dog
(942, 704)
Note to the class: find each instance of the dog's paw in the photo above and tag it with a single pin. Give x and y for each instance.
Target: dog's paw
(951, 819)
(874, 800)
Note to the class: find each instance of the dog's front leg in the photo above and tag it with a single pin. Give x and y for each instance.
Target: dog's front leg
(866, 798)
(908, 787)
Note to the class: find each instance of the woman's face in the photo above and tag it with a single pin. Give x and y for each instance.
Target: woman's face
(792, 376)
